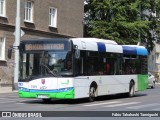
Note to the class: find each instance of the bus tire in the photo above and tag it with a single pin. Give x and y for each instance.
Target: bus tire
(153, 85)
(131, 89)
(92, 93)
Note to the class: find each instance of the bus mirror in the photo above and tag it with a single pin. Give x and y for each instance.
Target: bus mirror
(104, 60)
(77, 52)
(9, 53)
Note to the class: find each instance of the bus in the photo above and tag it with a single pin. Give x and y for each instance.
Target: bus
(73, 68)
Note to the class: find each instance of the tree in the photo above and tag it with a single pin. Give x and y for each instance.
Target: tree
(125, 21)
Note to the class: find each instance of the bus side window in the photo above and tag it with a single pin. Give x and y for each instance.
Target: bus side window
(107, 69)
(91, 67)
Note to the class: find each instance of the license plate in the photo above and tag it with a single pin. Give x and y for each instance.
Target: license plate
(42, 96)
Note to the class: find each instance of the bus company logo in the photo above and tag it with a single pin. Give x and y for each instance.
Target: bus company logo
(43, 81)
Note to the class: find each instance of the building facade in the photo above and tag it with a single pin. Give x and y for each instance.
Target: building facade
(39, 19)
(154, 60)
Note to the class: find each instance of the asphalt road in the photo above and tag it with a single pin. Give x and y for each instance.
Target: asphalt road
(148, 100)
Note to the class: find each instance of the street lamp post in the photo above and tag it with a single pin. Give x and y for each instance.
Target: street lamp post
(16, 47)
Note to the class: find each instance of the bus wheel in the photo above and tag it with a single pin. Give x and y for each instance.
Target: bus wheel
(153, 85)
(92, 94)
(46, 100)
(131, 89)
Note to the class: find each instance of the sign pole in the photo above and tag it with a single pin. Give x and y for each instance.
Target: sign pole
(16, 47)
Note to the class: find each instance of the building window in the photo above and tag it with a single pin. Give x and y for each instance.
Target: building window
(2, 48)
(53, 17)
(2, 7)
(28, 11)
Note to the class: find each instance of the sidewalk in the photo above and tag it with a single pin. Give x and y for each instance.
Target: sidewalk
(157, 83)
(6, 90)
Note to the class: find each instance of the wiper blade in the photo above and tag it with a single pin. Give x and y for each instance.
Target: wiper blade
(54, 73)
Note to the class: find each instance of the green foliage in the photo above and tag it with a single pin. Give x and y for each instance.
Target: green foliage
(124, 21)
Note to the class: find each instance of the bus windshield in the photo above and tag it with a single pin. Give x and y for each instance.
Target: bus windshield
(46, 63)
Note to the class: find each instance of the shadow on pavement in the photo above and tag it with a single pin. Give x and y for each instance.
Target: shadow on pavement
(81, 101)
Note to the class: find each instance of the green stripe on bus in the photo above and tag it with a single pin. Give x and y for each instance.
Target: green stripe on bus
(62, 95)
(142, 82)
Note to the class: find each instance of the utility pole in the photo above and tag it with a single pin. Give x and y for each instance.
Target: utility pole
(16, 47)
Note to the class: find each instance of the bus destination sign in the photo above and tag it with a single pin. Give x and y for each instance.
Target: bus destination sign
(58, 46)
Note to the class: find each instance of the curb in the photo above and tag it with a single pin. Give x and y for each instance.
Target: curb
(8, 91)
(158, 83)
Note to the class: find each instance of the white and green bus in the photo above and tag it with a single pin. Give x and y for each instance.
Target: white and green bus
(72, 68)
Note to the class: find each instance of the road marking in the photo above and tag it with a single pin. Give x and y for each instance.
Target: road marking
(20, 103)
(143, 106)
(103, 103)
(157, 109)
(7, 101)
(12, 96)
(122, 104)
(9, 98)
(4, 100)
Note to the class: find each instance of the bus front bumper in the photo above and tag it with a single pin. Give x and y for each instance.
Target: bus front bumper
(67, 93)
